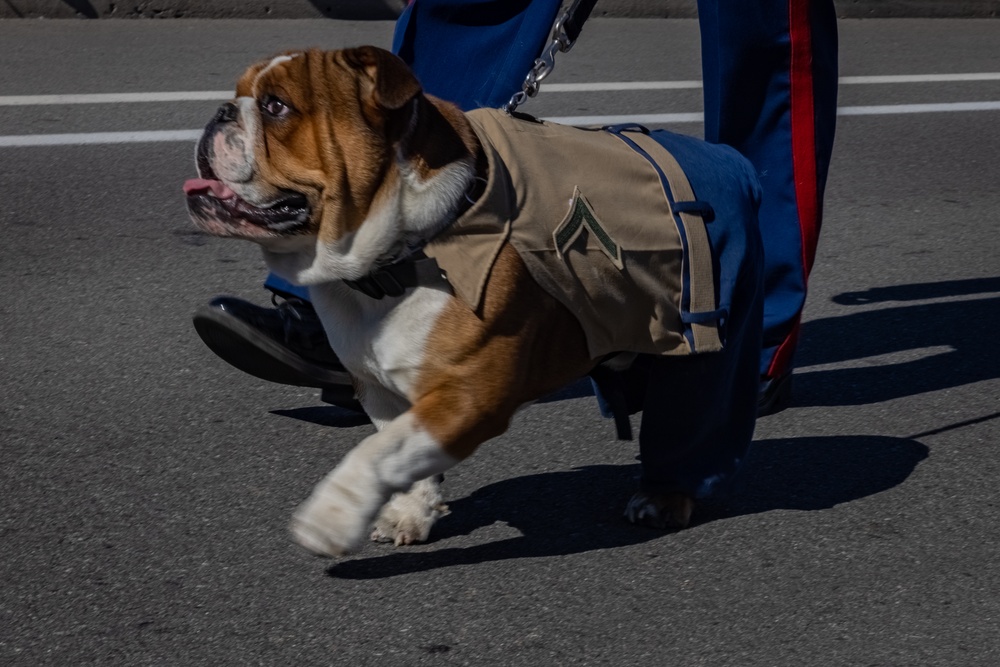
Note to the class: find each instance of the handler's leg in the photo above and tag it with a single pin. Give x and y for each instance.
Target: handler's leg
(770, 86)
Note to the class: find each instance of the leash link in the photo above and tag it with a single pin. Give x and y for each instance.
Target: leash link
(544, 64)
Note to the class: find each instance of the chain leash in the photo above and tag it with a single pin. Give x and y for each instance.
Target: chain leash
(545, 63)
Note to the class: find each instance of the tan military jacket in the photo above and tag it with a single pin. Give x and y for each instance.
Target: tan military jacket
(589, 217)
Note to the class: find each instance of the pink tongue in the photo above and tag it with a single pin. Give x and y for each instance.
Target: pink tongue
(217, 188)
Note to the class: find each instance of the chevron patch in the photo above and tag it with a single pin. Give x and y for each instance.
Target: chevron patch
(581, 216)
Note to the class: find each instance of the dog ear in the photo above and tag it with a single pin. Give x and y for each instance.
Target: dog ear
(389, 82)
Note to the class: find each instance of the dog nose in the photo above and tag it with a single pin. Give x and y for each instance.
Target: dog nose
(226, 114)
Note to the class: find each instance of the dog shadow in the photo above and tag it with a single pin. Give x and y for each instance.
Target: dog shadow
(580, 510)
(938, 345)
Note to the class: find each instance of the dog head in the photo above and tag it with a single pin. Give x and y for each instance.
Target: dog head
(331, 161)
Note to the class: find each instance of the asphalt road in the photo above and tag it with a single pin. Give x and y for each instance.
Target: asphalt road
(145, 486)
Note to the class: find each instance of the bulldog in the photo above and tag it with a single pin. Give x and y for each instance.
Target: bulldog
(463, 265)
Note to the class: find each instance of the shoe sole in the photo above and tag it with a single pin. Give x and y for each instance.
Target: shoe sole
(777, 399)
(242, 347)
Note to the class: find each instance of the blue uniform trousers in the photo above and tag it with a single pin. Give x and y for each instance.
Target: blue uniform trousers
(769, 69)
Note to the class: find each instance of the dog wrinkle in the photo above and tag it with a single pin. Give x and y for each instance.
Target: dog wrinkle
(277, 60)
(229, 159)
(401, 207)
(352, 255)
(383, 189)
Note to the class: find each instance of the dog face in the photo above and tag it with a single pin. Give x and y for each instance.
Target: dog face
(307, 159)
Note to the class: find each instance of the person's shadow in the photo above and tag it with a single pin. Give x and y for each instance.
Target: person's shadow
(580, 510)
(960, 333)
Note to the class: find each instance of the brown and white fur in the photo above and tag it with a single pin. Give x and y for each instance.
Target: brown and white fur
(333, 162)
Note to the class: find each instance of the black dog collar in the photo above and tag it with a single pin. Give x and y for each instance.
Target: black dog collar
(394, 279)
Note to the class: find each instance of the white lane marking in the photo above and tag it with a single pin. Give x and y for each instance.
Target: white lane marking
(921, 78)
(91, 138)
(881, 110)
(642, 119)
(884, 110)
(601, 86)
(618, 85)
(648, 119)
(844, 80)
(115, 98)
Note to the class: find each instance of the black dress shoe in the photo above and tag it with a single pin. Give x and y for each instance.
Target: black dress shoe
(774, 394)
(285, 344)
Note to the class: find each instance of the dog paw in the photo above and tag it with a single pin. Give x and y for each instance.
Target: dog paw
(314, 539)
(401, 533)
(407, 517)
(327, 524)
(322, 534)
(660, 510)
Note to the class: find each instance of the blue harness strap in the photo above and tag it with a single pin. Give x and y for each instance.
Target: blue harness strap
(702, 318)
(728, 198)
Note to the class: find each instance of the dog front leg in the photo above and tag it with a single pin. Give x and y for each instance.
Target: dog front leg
(408, 516)
(335, 518)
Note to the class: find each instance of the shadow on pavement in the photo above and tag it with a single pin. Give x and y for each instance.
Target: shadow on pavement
(83, 8)
(568, 512)
(326, 415)
(962, 326)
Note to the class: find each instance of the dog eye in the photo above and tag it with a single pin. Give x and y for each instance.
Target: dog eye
(274, 107)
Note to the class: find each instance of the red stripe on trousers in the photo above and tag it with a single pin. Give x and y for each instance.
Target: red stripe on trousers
(803, 122)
